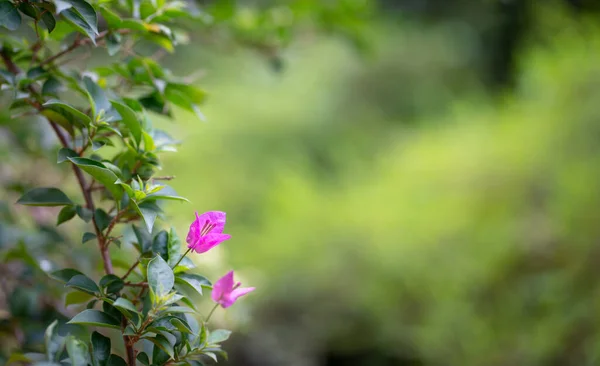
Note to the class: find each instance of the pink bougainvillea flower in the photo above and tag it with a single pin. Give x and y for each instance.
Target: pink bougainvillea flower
(226, 293)
(206, 232)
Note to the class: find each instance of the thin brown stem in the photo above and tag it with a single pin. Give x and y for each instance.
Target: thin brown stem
(130, 269)
(139, 284)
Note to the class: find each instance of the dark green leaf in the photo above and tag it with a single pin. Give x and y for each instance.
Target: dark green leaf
(87, 237)
(64, 275)
(218, 336)
(174, 248)
(149, 213)
(9, 16)
(160, 277)
(66, 214)
(101, 173)
(100, 349)
(64, 154)
(115, 360)
(28, 10)
(112, 284)
(130, 119)
(84, 213)
(83, 283)
(193, 282)
(143, 358)
(102, 219)
(83, 17)
(96, 318)
(78, 351)
(49, 21)
(181, 325)
(160, 244)
(45, 197)
(143, 238)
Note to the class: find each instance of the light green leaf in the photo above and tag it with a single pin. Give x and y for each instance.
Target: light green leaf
(101, 173)
(185, 265)
(218, 336)
(100, 349)
(45, 197)
(77, 297)
(9, 16)
(193, 282)
(78, 351)
(72, 114)
(96, 318)
(126, 305)
(83, 283)
(160, 277)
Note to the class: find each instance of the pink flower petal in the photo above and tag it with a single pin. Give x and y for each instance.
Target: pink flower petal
(209, 241)
(222, 288)
(216, 218)
(238, 292)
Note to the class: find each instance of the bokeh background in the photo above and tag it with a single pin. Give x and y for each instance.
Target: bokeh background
(415, 183)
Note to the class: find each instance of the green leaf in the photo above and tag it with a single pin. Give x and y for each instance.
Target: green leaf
(174, 248)
(102, 219)
(183, 266)
(160, 277)
(115, 360)
(186, 97)
(100, 349)
(99, 100)
(68, 112)
(45, 197)
(28, 10)
(113, 20)
(143, 238)
(66, 214)
(181, 325)
(64, 275)
(52, 85)
(179, 310)
(143, 358)
(160, 244)
(218, 336)
(87, 237)
(83, 17)
(130, 119)
(113, 43)
(101, 173)
(149, 213)
(54, 342)
(162, 343)
(9, 16)
(166, 193)
(193, 282)
(113, 284)
(84, 213)
(78, 351)
(77, 297)
(49, 21)
(83, 283)
(64, 154)
(96, 318)
(124, 304)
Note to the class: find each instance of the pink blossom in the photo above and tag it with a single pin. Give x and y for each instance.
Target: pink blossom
(226, 293)
(206, 231)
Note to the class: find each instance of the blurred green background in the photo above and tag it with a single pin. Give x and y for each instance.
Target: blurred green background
(431, 200)
(420, 187)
